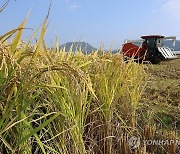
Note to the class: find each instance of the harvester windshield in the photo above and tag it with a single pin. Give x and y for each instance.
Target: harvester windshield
(151, 43)
(159, 42)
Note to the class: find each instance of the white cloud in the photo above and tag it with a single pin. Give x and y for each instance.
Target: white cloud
(172, 5)
(74, 6)
(171, 8)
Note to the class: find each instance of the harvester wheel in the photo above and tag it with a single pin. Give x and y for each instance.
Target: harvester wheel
(154, 59)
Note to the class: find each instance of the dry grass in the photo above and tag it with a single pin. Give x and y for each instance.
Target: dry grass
(162, 94)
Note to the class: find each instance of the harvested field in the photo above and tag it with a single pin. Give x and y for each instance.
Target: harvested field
(162, 94)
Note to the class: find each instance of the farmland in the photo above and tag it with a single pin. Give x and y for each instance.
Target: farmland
(58, 102)
(162, 94)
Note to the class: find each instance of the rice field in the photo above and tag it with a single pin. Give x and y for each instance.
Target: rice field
(54, 101)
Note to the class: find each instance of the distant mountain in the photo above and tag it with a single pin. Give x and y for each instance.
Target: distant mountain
(83, 46)
(87, 48)
(115, 51)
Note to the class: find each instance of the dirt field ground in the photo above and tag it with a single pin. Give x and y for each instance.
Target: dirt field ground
(161, 100)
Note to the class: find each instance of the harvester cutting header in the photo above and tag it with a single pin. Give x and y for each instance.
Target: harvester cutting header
(151, 48)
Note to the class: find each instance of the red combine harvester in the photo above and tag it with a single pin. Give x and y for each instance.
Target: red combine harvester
(151, 49)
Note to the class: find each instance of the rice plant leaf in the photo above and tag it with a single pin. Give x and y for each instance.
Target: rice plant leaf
(19, 54)
(7, 35)
(57, 44)
(4, 6)
(6, 127)
(17, 38)
(36, 136)
(40, 41)
(34, 131)
(12, 91)
(55, 86)
(51, 149)
(43, 31)
(6, 143)
(40, 143)
(84, 64)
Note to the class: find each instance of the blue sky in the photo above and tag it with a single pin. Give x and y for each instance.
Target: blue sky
(107, 22)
